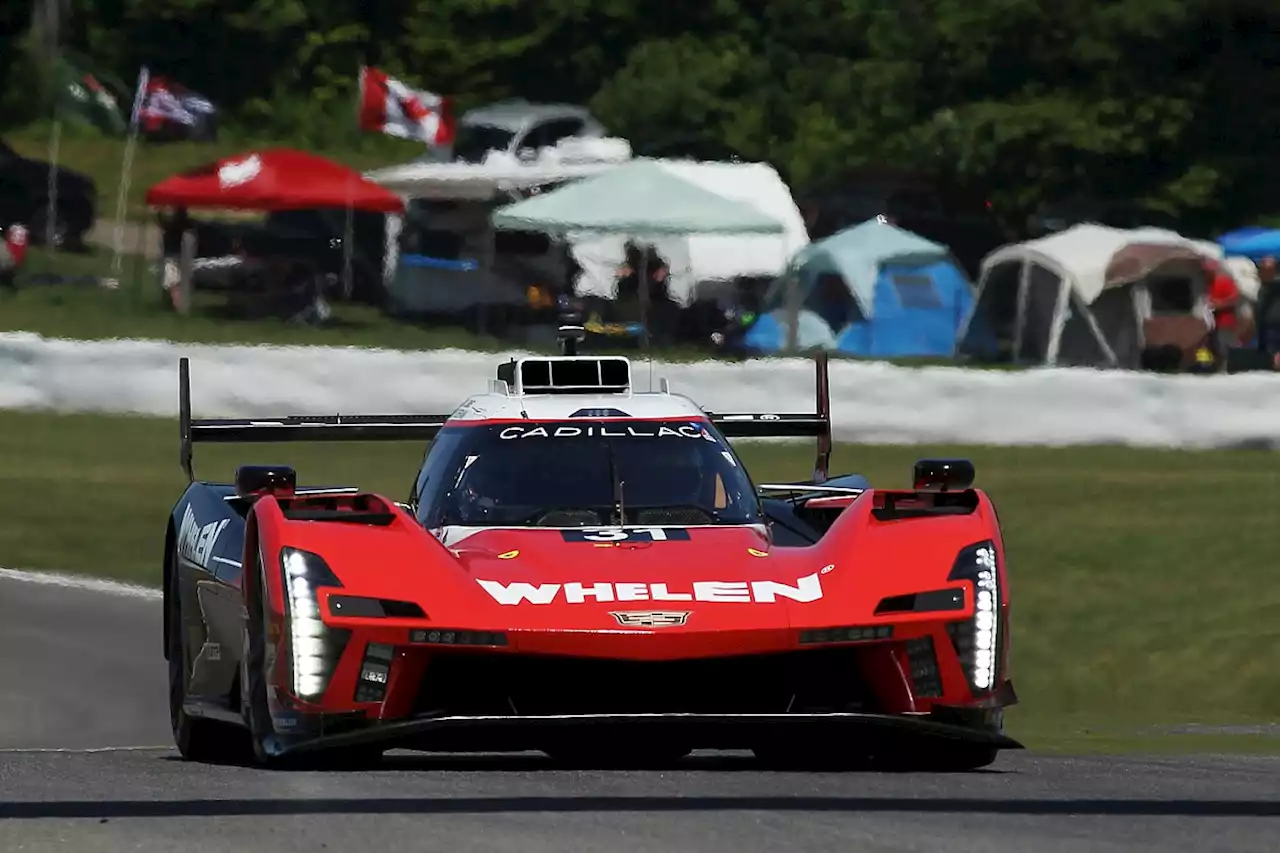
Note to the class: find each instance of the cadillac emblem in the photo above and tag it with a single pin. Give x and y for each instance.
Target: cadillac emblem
(650, 618)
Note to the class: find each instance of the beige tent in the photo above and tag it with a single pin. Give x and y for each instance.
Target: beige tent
(1083, 296)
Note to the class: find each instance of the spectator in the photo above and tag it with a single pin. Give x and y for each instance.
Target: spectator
(1268, 314)
(13, 250)
(172, 228)
(663, 314)
(1224, 301)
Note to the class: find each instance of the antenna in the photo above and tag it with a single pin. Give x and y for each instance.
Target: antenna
(569, 337)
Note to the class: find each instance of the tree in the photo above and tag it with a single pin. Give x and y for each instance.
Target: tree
(1172, 103)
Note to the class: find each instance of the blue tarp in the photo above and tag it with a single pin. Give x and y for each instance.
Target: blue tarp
(902, 295)
(1254, 243)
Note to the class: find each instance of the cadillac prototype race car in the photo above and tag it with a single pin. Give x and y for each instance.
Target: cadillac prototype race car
(587, 570)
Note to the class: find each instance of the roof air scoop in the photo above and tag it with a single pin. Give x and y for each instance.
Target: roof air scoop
(569, 375)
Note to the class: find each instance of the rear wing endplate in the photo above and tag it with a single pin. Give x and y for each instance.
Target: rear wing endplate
(292, 428)
(764, 425)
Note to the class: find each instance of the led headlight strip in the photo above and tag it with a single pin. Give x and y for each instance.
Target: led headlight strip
(314, 647)
(978, 640)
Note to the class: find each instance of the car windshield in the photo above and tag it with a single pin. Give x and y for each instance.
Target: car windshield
(576, 473)
(477, 140)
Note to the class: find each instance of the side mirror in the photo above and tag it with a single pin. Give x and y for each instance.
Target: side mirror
(943, 475)
(254, 481)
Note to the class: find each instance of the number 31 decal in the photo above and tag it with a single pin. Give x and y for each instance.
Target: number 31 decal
(631, 534)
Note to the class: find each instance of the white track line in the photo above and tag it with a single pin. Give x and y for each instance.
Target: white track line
(82, 751)
(81, 582)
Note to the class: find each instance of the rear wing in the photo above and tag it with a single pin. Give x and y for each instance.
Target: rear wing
(292, 428)
(425, 427)
(764, 425)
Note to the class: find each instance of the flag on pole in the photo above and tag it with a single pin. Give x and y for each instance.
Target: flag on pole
(389, 106)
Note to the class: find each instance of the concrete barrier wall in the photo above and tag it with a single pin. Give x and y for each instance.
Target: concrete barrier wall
(871, 402)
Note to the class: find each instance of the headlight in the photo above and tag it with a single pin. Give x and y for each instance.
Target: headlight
(979, 640)
(314, 647)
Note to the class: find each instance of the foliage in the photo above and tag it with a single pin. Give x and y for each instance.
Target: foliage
(1169, 103)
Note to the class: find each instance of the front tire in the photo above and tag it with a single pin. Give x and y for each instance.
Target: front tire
(257, 710)
(268, 746)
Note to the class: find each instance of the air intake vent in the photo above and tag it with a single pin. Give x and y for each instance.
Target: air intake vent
(574, 375)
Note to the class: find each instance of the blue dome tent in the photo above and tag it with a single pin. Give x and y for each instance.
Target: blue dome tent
(870, 290)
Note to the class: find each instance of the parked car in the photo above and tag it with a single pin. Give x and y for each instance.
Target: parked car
(519, 126)
(24, 198)
(959, 219)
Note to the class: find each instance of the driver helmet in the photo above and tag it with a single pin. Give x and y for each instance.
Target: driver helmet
(479, 488)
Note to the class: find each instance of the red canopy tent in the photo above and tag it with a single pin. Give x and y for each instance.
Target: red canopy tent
(275, 179)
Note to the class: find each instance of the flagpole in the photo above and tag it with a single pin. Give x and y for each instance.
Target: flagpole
(126, 169)
(51, 192)
(50, 37)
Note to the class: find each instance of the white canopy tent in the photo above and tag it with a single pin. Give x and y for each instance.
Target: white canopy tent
(645, 202)
(1082, 296)
(699, 264)
(501, 178)
(702, 265)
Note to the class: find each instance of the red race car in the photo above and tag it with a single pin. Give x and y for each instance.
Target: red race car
(587, 570)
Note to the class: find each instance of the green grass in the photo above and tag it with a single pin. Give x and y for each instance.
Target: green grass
(1143, 581)
(102, 158)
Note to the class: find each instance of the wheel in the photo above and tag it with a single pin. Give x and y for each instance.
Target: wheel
(197, 739)
(267, 745)
(253, 677)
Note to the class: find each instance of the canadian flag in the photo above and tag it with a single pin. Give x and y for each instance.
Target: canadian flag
(389, 106)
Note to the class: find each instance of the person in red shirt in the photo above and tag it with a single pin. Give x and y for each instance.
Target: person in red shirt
(1224, 301)
(13, 251)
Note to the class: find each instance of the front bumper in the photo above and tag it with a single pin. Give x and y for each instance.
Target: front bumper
(698, 731)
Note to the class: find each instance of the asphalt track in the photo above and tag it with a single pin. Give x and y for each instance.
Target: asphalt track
(86, 765)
